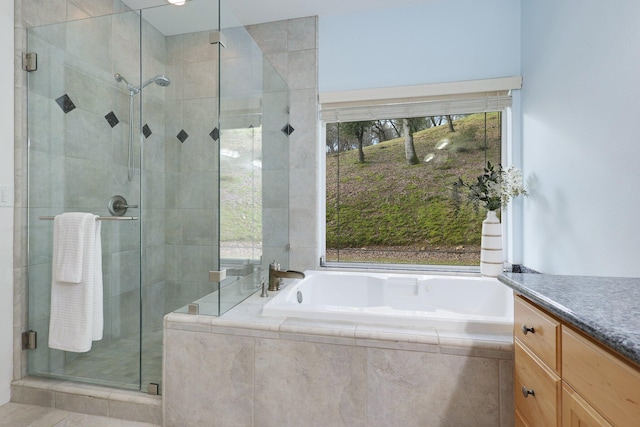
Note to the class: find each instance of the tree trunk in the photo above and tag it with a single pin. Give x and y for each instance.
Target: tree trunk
(450, 121)
(409, 149)
(393, 125)
(360, 151)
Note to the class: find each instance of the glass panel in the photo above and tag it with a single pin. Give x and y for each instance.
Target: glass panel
(79, 117)
(253, 164)
(180, 168)
(180, 164)
(240, 158)
(383, 210)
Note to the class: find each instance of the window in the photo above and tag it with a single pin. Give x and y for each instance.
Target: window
(389, 198)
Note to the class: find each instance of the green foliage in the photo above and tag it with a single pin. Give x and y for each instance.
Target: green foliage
(485, 189)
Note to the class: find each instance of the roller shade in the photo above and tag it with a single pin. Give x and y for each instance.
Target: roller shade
(418, 101)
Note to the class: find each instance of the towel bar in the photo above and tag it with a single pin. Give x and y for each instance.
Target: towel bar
(100, 218)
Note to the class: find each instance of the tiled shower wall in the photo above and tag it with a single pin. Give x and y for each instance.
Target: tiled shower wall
(292, 47)
(191, 167)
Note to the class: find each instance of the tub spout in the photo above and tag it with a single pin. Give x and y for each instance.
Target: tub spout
(275, 276)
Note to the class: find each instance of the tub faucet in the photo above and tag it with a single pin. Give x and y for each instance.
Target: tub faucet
(276, 275)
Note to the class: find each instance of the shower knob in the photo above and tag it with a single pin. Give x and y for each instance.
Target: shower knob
(118, 206)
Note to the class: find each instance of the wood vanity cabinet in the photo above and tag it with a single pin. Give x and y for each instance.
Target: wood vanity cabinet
(537, 378)
(563, 378)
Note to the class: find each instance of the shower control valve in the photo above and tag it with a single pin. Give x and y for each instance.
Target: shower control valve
(118, 206)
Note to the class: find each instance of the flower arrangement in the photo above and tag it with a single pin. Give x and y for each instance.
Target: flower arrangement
(494, 188)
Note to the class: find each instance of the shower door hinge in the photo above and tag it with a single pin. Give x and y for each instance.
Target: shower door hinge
(217, 276)
(29, 340)
(153, 389)
(217, 37)
(30, 61)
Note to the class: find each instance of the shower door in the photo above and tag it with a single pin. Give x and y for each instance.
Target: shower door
(81, 153)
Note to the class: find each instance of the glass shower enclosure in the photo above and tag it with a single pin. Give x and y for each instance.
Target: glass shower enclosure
(169, 124)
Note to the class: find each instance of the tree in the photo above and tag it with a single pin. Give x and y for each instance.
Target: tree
(385, 130)
(437, 121)
(409, 148)
(450, 122)
(409, 127)
(332, 138)
(357, 130)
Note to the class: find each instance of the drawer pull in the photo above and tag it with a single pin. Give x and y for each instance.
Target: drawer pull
(526, 392)
(526, 329)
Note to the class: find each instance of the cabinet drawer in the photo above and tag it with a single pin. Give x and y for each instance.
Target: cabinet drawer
(538, 331)
(576, 412)
(541, 407)
(607, 382)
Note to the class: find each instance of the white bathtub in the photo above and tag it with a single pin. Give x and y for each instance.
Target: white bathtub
(453, 303)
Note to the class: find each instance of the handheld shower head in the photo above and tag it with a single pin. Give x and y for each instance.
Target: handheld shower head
(119, 78)
(160, 80)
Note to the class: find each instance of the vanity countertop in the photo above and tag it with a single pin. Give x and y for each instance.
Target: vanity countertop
(605, 308)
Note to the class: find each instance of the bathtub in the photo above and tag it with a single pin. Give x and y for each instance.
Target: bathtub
(453, 303)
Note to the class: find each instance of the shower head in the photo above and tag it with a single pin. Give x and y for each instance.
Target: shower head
(160, 80)
(119, 78)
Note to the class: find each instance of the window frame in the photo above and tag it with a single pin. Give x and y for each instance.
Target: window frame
(507, 157)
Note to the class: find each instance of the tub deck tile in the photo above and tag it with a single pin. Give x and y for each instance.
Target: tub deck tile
(476, 345)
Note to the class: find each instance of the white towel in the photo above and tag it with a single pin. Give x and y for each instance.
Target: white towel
(68, 233)
(76, 307)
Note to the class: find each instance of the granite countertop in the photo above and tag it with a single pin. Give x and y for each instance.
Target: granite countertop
(605, 308)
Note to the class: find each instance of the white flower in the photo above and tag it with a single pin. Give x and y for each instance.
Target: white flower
(511, 185)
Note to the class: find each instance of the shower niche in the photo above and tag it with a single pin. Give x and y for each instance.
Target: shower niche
(176, 111)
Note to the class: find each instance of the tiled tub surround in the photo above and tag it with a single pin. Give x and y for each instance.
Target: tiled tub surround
(605, 308)
(243, 369)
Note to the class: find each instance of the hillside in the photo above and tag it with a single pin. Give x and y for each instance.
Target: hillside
(391, 210)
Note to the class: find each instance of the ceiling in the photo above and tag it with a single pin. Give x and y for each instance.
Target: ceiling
(191, 17)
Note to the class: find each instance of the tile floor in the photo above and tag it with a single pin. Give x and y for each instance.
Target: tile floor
(20, 415)
(117, 364)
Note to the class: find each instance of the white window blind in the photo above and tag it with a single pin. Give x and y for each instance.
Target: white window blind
(475, 96)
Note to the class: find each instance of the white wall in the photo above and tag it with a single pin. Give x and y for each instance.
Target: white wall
(6, 213)
(434, 42)
(581, 136)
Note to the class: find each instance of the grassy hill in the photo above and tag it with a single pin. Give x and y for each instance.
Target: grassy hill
(386, 204)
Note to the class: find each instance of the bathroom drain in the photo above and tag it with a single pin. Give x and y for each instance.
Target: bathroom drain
(299, 295)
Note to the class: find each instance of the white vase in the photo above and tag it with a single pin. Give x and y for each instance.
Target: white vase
(491, 260)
